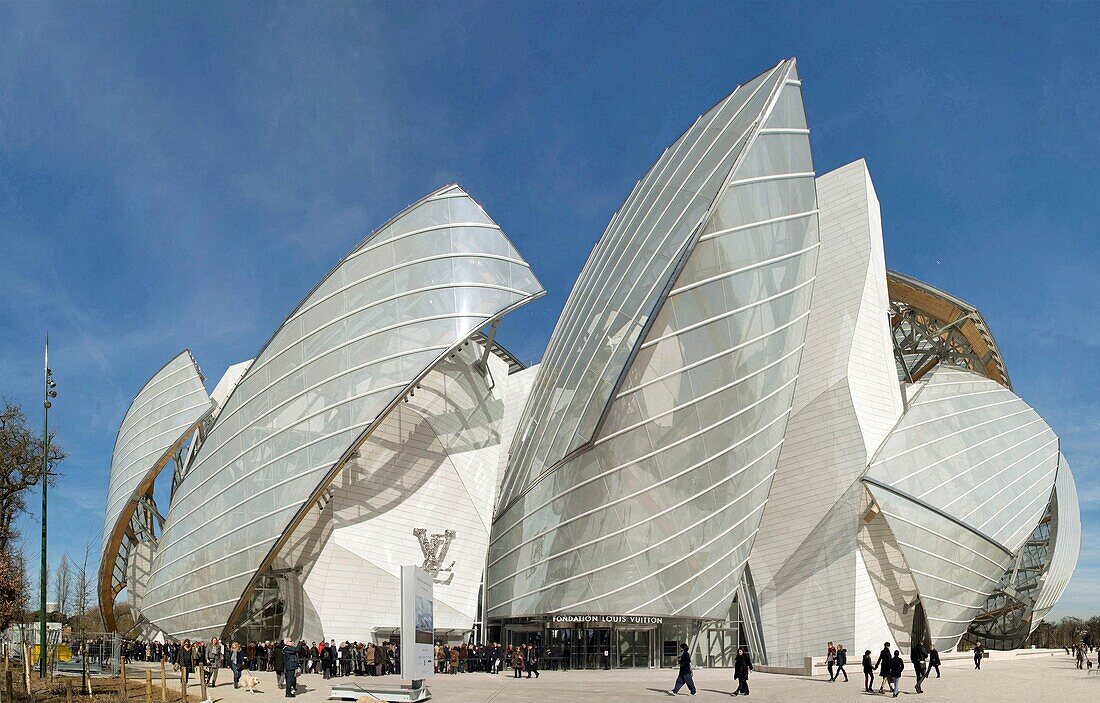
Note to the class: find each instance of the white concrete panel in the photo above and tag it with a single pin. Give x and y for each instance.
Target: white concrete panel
(870, 621)
(432, 464)
(804, 561)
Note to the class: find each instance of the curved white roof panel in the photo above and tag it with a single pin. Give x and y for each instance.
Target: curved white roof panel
(658, 513)
(164, 411)
(974, 450)
(424, 282)
(626, 278)
(158, 421)
(962, 480)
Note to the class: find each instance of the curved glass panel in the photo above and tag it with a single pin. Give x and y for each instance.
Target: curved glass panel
(623, 281)
(954, 569)
(422, 283)
(973, 449)
(158, 421)
(658, 514)
(1067, 541)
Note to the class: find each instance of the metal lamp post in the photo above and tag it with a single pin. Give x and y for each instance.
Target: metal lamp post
(48, 392)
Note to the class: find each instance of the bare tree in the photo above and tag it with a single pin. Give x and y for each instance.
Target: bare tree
(63, 585)
(20, 468)
(82, 593)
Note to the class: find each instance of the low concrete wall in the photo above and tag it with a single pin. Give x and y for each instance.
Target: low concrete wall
(805, 670)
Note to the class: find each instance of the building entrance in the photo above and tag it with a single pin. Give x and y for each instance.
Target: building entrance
(635, 648)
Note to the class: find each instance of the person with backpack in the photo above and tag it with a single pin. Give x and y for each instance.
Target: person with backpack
(684, 677)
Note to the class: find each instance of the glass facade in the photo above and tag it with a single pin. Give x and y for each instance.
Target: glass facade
(657, 513)
(415, 288)
(963, 480)
(158, 421)
(623, 281)
(604, 505)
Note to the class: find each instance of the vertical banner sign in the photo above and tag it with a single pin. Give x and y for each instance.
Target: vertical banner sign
(417, 624)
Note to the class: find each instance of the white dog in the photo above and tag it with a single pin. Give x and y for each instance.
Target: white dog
(249, 682)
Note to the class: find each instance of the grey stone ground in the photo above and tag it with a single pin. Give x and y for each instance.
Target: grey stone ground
(1032, 679)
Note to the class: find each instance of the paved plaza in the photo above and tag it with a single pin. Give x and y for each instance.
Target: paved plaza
(1035, 679)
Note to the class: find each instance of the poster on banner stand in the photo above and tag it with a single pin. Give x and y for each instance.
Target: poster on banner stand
(417, 625)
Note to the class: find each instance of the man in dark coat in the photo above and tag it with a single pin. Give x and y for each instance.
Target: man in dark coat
(897, 665)
(277, 662)
(883, 665)
(979, 651)
(917, 656)
(290, 667)
(532, 661)
(684, 677)
(742, 665)
(934, 661)
(841, 662)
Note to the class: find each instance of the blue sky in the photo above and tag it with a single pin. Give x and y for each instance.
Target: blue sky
(181, 174)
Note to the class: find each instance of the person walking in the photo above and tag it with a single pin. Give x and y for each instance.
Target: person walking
(883, 665)
(684, 677)
(841, 660)
(830, 661)
(186, 662)
(277, 662)
(868, 671)
(742, 665)
(917, 656)
(979, 652)
(290, 667)
(934, 661)
(532, 661)
(235, 662)
(517, 662)
(216, 655)
(897, 665)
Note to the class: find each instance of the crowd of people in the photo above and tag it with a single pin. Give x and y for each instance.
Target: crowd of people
(489, 658)
(328, 659)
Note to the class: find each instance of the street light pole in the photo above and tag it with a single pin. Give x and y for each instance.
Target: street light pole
(48, 392)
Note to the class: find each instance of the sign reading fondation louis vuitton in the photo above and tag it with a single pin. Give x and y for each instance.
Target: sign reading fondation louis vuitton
(610, 619)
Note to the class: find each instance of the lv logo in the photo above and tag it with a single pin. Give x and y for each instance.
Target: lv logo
(435, 550)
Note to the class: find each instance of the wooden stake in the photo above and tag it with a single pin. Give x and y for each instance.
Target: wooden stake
(148, 686)
(202, 681)
(8, 690)
(122, 693)
(163, 683)
(68, 691)
(183, 684)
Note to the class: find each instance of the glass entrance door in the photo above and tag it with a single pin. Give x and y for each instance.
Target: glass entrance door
(590, 648)
(634, 648)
